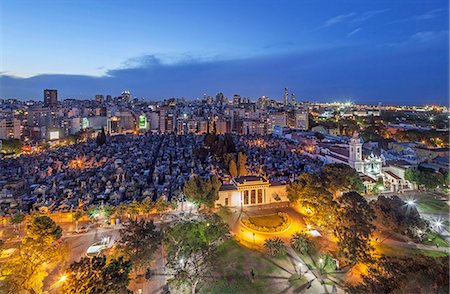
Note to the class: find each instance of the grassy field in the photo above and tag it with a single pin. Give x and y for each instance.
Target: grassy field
(447, 225)
(432, 205)
(242, 270)
(270, 220)
(401, 251)
(435, 239)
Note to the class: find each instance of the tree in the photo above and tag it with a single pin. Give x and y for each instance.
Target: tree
(339, 177)
(191, 248)
(233, 169)
(134, 208)
(101, 138)
(202, 191)
(242, 164)
(275, 246)
(139, 240)
(17, 220)
(394, 214)
(412, 274)
(76, 215)
(147, 205)
(96, 275)
(43, 229)
(425, 178)
(162, 205)
(309, 193)
(353, 227)
(12, 146)
(302, 243)
(38, 253)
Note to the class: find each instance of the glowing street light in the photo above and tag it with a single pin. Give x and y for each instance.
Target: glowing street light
(63, 278)
(411, 202)
(308, 227)
(438, 224)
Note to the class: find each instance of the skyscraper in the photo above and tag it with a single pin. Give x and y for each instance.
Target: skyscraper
(292, 99)
(50, 98)
(286, 97)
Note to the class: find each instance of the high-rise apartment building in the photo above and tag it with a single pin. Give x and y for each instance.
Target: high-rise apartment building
(50, 98)
(286, 97)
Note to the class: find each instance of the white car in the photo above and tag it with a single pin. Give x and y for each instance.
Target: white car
(97, 248)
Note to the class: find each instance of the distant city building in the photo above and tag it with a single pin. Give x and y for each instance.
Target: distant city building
(10, 128)
(50, 98)
(286, 97)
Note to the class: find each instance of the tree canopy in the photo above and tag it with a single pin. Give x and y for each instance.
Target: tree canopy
(309, 192)
(43, 229)
(97, 275)
(394, 214)
(353, 227)
(139, 240)
(38, 253)
(425, 178)
(339, 177)
(416, 274)
(101, 138)
(191, 247)
(201, 191)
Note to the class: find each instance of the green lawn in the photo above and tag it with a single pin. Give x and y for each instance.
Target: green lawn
(235, 265)
(435, 239)
(447, 225)
(432, 205)
(269, 221)
(391, 250)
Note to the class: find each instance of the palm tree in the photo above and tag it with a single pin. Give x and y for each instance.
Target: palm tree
(301, 243)
(275, 246)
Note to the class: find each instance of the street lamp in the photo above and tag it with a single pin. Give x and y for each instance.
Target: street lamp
(411, 202)
(63, 278)
(438, 224)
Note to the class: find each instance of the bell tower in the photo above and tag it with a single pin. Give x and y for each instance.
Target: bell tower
(355, 153)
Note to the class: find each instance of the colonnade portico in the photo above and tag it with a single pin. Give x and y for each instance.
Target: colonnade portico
(251, 191)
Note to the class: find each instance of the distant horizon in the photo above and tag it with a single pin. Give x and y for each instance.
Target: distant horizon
(380, 51)
(229, 97)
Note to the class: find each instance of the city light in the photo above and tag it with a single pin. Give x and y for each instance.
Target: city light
(63, 278)
(411, 202)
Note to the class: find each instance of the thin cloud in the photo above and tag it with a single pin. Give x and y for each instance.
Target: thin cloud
(337, 19)
(352, 17)
(429, 15)
(368, 14)
(426, 36)
(353, 32)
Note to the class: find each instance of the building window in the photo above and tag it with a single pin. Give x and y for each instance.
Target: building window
(226, 201)
(253, 196)
(260, 196)
(245, 197)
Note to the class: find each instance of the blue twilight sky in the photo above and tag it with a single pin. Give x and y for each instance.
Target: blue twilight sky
(395, 52)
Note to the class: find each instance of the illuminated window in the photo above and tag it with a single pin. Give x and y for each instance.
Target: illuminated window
(226, 201)
(245, 197)
(253, 196)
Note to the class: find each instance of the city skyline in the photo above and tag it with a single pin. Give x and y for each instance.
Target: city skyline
(389, 52)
